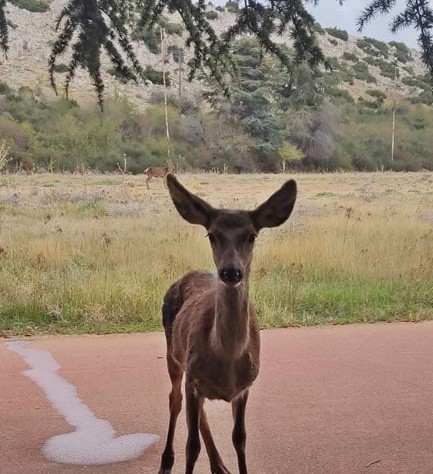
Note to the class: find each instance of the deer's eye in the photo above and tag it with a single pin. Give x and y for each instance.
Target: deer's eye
(252, 238)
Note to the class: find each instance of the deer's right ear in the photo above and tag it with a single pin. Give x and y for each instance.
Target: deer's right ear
(192, 208)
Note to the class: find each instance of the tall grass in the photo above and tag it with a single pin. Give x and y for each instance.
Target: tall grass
(75, 266)
(347, 268)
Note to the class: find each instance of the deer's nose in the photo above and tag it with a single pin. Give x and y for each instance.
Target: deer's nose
(231, 275)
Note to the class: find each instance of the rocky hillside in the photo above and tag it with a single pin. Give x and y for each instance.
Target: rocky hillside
(362, 64)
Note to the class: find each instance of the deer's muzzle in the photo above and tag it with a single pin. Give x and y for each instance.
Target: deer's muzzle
(231, 276)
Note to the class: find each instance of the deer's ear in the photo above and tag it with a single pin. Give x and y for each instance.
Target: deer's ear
(192, 208)
(277, 208)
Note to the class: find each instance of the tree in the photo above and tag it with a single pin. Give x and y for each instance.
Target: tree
(90, 26)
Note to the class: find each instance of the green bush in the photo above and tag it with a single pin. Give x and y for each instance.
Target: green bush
(426, 97)
(173, 28)
(156, 77)
(317, 27)
(389, 70)
(60, 68)
(34, 6)
(151, 38)
(361, 72)
(337, 33)
(409, 81)
(211, 15)
(373, 47)
(381, 96)
(176, 51)
(118, 75)
(232, 6)
(346, 75)
(5, 89)
(350, 57)
(220, 9)
(409, 70)
(403, 53)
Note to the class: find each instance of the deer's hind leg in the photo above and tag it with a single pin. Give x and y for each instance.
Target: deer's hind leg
(175, 403)
(216, 463)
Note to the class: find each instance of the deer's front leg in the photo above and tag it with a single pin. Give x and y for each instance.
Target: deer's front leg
(239, 435)
(194, 404)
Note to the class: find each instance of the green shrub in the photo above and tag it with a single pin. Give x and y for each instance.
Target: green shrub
(333, 63)
(211, 15)
(118, 75)
(371, 60)
(350, 57)
(337, 33)
(379, 95)
(34, 6)
(317, 27)
(402, 52)
(176, 51)
(60, 68)
(333, 41)
(220, 9)
(361, 72)
(342, 94)
(173, 28)
(5, 89)
(426, 97)
(156, 77)
(373, 47)
(346, 75)
(151, 38)
(232, 6)
(409, 81)
(389, 70)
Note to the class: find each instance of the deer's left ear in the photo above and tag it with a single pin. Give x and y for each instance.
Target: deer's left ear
(192, 208)
(277, 208)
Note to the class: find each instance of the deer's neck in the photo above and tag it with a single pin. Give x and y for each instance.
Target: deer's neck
(231, 326)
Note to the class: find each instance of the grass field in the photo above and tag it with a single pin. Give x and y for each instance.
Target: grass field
(95, 253)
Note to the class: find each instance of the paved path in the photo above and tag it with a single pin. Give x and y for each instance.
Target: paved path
(348, 399)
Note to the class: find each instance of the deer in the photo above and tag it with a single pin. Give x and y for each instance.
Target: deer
(158, 172)
(211, 328)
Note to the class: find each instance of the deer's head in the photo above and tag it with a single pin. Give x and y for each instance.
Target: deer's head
(232, 232)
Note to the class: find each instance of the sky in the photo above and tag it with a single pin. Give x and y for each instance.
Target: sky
(330, 14)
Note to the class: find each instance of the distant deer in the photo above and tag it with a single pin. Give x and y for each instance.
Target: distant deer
(158, 172)
(211, 326)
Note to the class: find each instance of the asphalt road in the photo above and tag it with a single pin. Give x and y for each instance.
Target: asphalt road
(346, 399)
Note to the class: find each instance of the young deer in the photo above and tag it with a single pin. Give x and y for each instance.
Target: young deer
(211, 326)
(158, 172)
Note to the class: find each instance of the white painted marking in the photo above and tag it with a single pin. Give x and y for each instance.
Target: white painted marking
(93, 441)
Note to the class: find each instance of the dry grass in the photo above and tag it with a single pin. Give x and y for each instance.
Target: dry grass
(88, 254)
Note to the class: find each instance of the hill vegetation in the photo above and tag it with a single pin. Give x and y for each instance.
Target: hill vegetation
(304, 118)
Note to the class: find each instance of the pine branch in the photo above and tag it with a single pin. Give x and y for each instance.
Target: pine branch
(417, 14)
(3, 28)
(375, 8)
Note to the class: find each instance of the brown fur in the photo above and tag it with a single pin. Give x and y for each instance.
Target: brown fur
(158, 172)
(211, 326)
